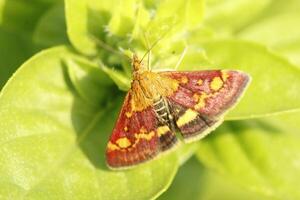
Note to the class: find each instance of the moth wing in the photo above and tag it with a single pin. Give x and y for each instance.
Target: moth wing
(138, 136)
(202, 98)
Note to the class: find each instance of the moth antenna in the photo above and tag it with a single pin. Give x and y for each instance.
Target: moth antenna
(149, 60)
(107, 47)
(181, 57)
(149, 54)
(155, 43)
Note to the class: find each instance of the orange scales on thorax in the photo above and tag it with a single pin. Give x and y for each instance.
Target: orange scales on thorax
(148, 87)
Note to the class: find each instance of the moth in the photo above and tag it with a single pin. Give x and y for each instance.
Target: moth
(160, 104)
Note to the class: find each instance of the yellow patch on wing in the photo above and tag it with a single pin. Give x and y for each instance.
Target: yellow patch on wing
(225, 75)
(143, 130)
(184, 80)
(201, 98)
(216, 83)
(162, 130)
(123, 142)
(144, 135)
(128, 114)
(174, 87)
(196, 97)
(112, 147)
(201, 101)
(187, 117)
(126, 128)
(200, 82)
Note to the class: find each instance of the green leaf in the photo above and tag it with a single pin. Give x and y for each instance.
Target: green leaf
(291, 51)
(183, 13)
(269, 73)
(278, 7)
(123, 17)
(2, 3)
(130, 24)
(78, 14)
(171, 23)
(186, 151)
(119, 78)
(90, 18)
(194, 13)
(255, 155)
(77, 26)
(287, 122)
(278, 29)
(51, 28)
(53, 140)
(13, 52)
(195, 182)
(88, 87)
(274, 31)
(21, 16)
(227, 17)
(142, 18)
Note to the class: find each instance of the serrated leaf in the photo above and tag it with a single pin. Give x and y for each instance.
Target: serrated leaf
(269, 73)
(96, 19)
(53, 140)
(117, 23)
(255, 155)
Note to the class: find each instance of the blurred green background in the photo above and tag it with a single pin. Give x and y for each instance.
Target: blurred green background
(57, 111)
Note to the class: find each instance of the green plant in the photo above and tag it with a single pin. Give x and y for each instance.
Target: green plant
(58, 109)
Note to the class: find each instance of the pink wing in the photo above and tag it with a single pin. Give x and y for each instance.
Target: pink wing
(203, 97)
(137, 137)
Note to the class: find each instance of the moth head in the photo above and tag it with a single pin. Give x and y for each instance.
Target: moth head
(137, 64)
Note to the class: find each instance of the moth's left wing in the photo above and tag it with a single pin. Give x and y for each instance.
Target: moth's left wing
(137, 137)
(202, 98)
